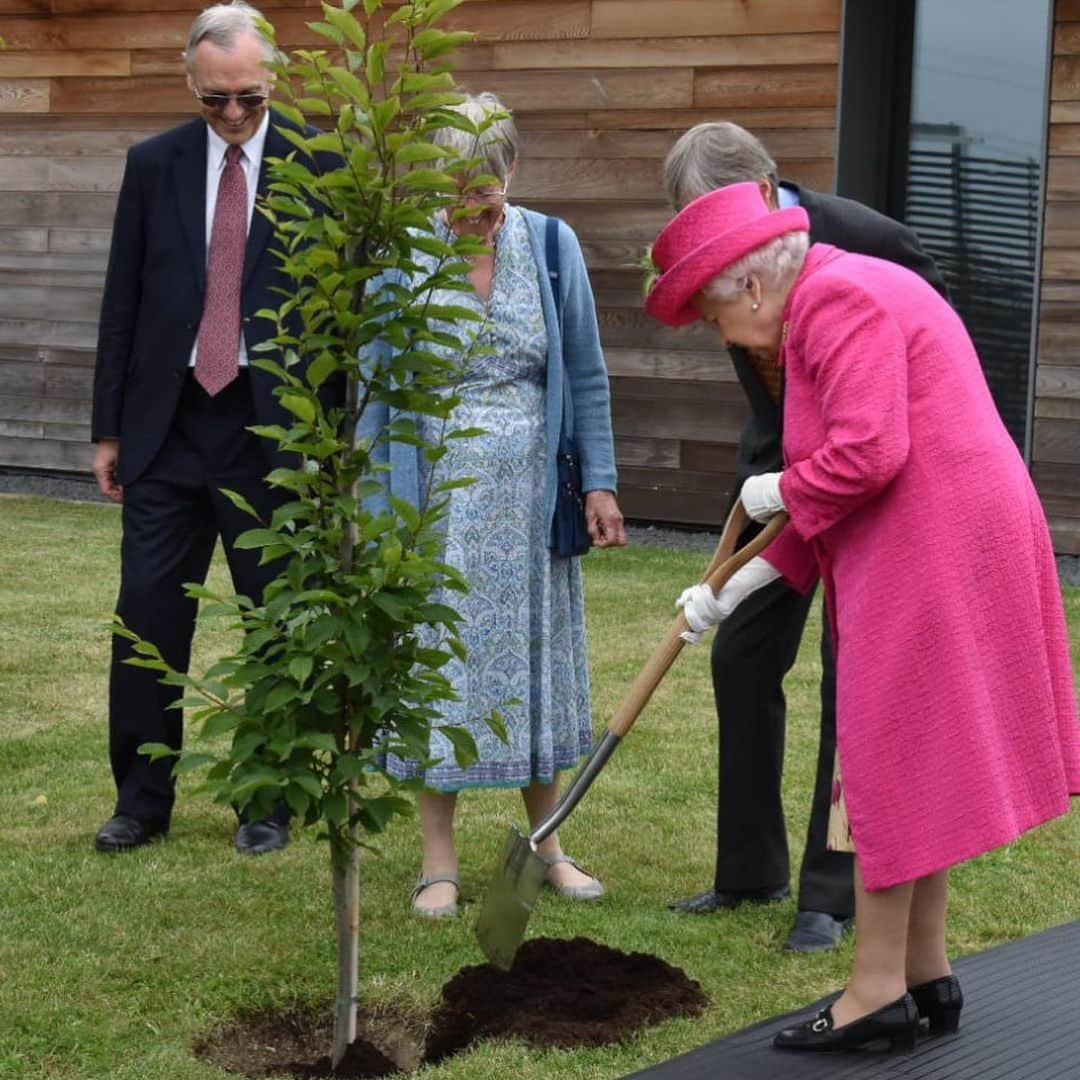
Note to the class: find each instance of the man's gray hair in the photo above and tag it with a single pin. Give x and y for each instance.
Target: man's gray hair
(221, 25)
(711, 156)
(777, 262)
(497, 144)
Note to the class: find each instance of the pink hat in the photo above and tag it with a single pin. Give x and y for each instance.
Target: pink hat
(708, 235)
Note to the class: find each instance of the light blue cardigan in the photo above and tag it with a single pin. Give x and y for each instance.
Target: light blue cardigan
(574, 350)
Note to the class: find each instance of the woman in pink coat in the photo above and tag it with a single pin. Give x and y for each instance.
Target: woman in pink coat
(956, 715)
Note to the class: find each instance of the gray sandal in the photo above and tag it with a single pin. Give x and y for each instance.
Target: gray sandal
(447, 911)
(594, 890)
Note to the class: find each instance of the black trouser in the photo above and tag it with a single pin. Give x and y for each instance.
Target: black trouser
(752, 652)
(172, 517)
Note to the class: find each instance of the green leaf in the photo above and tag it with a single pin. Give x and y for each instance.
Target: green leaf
(318, 740)
(376, 66)
(297, 800)
(428, 180)
(320, 369)
(351, 88)
(300, 406)
(432, 43)
(319, 106)
(407, 512)
(347, 24)
(348, 767)
(420, 151)
(328, 141)
(331, 33)
(256, 538)
(465, 753)
(152, 665)
(300, 668)
(281, 695)
(392, 605)
(155, 751)
(218, 723)
(191, 762)
(289, 112)
(335, 808)
(357, 637)
(498, 726)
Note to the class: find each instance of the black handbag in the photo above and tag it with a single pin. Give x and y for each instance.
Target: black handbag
(569, 532)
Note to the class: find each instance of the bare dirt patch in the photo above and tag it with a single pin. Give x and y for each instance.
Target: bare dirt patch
(558, 993)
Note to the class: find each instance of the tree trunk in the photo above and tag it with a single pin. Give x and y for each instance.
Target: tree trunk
(346, 856)
(347, 917)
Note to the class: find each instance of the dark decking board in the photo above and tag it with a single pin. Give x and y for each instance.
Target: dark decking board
(1021, 1021)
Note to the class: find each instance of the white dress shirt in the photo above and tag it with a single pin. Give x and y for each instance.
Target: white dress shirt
(251, 163)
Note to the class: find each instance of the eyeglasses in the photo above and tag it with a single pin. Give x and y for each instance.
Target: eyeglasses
(483, 196)
(248, 101)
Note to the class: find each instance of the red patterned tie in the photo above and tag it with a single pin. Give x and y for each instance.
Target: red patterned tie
(217, 359)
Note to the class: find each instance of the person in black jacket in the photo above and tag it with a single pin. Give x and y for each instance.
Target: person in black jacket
(754, 649)
(191, 263)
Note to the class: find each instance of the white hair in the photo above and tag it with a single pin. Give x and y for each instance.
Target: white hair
(777, 263)
(221, 25)
(497, 144)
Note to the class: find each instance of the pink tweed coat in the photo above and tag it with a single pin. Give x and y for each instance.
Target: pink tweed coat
(956, 714)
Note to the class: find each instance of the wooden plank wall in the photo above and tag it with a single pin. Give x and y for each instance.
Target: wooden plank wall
(1056, 451)
(601, 88)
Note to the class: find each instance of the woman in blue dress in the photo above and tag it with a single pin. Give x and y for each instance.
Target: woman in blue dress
(523, 618)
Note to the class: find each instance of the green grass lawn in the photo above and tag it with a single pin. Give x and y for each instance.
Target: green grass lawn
(116, 966)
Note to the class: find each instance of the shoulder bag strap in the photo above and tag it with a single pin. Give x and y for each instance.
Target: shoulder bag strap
(551, 254)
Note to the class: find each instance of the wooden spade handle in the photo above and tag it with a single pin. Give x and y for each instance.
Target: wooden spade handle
(724, 563)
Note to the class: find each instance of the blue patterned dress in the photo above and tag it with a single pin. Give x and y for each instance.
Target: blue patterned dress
(524, 616)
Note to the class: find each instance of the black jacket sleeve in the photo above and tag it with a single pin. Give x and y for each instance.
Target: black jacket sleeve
(119, 306)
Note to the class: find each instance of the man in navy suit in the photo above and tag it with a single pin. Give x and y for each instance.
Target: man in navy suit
(174, 392)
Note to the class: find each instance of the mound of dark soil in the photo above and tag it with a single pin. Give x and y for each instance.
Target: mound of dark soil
(560, 993)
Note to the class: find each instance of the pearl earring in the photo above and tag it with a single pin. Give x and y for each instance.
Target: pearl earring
(754, 306)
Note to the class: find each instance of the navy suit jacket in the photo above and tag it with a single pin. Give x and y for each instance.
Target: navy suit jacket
(845, 224)
(154, 289)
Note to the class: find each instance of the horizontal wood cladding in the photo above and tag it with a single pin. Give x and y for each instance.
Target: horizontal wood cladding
(1056, 434)
(679, 18)
(600, 90)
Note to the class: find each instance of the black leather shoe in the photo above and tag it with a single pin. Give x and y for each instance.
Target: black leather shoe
(940, 1002)
(710, 900)
(122, 832)
(895, 1023)
(816, 931)
(261, 837)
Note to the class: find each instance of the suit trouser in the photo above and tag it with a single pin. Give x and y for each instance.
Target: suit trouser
(172, 516)
(752, 652)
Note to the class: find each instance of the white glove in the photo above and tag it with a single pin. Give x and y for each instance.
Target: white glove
(761, 496)
(703, 608)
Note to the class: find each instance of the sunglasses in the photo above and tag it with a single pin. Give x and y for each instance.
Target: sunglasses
(249, 102)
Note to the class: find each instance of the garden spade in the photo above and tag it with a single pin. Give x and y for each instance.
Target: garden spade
(520, 874)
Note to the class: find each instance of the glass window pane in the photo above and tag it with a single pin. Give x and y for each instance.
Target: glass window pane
(975, 173)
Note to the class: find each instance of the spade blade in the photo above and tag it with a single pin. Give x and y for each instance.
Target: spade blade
(518, 880)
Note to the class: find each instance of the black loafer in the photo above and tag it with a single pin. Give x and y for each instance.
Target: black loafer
(122, 832)
(940, 1002)
(816, 931)
(712, 900)
(895, 1023)
(261, 837)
